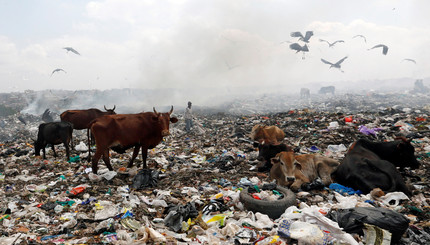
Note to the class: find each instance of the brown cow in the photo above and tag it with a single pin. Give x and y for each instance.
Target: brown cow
(271, 134)
(82, 118)
(122, 131)
(294, 170)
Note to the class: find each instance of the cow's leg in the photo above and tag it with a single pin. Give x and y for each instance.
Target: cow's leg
(67, 150)
(89, 145)
(135, 153)
(106, 159)
(95, 160)
(53, 149)
(44, 152)
(144, 156)
(324, 172)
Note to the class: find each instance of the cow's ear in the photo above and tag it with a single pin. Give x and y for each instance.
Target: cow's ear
(275, 160)
(298, 165)
(173, 120)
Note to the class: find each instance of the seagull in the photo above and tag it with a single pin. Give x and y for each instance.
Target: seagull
(335, 65)
(411, 60)
(71, 49)
(298, 48)
(384, 48)
(305, 38)
(361, 37)
(229, 66)
(333, 43)
(57, 70)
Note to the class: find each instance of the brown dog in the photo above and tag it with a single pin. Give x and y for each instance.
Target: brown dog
(294, 170)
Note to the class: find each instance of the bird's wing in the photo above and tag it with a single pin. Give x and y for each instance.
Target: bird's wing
(308, 35)
(327, 62)
(338, 41)
(74, 51)
(340, 61)
(322, 40)
(384, 49)
(361, 37)
(411, 60)
(296, 34)
(296, 46)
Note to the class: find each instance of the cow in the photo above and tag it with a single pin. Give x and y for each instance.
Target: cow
(327, 90)
(82, 118)
(266, 151)
(305, 93)
(293, 171)
(272, 134)
(53, 133)
(122, 131)
(368, 165)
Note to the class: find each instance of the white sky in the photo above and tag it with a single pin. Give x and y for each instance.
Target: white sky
(187, 44)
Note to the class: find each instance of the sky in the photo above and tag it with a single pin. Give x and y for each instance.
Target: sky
(212, 47)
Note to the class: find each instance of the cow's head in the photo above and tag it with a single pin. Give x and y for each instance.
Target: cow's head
(110, 111)
(164, 120)
(406, 153)
(288, 165)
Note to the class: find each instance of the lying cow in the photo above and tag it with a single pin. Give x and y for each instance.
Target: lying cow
(53, 133)
(368, 165)
(295, 170)
(122, 131)
(271, 134)
(266, 151)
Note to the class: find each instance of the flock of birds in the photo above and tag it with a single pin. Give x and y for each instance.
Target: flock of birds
(305, 48)
(68, 49)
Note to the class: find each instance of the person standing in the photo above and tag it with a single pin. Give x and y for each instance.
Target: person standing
(188, 116)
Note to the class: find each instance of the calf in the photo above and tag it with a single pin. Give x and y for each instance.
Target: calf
(295, 170)
(272, 134)
(53, 133)
(266, 151)
(368, 165)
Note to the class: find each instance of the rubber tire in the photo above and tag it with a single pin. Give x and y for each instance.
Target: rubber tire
(274, 209)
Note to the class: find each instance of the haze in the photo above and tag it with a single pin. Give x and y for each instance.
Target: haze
(204, 49)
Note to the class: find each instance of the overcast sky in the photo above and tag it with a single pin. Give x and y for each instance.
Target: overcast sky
(193, 44)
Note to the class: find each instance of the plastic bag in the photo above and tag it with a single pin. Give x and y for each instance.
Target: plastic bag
(145, 178)
(352, 220)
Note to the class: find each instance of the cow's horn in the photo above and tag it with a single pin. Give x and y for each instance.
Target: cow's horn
(155, 110)
(171, 110)
(105, 107)
(114, 106)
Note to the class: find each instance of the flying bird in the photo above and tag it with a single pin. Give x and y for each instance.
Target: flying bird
(72, 50)
(333, 43)
(298, 48)
(411, 60)
(361, 37)
(57, 70)
(229, 66)
(335, 65)
(305, 38)
(384, 48)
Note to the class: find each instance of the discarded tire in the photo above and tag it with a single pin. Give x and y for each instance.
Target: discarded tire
(274, 209)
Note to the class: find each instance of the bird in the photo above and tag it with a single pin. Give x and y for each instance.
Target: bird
(72, 50)
(298, 48)
(384, 48)
(361, 37)
(229, 66)
(333, 43)
(305, 38)
(411, 60)
(57, 70)
(335, 65)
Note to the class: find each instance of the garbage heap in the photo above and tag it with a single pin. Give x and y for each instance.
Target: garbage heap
(190, 194)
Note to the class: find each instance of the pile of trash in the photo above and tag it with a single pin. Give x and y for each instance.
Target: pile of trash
(191, 191)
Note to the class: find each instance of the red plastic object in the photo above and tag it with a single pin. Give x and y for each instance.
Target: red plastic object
(77, 190)
(348, 119)
(256, 197)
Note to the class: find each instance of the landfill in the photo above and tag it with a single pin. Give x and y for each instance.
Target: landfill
(190, 193)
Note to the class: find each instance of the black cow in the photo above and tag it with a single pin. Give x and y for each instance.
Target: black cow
(327, 90)
(53, 133)
(266, 151)
(368, 165)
